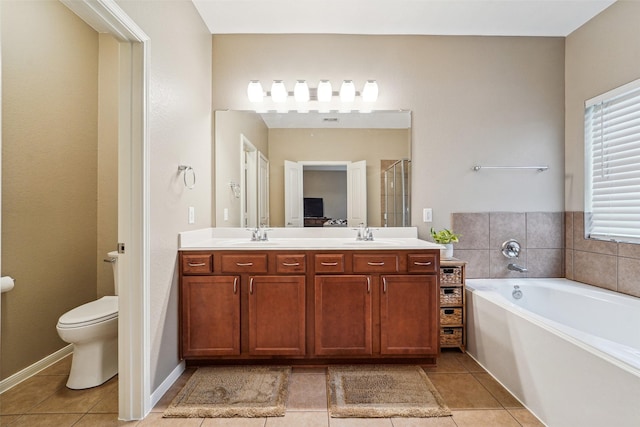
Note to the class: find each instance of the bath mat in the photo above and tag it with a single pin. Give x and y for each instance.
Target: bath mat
(226, 392)
(374, 391)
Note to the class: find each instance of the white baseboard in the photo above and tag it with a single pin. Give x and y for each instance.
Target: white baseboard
(167, 383)
(30, 371)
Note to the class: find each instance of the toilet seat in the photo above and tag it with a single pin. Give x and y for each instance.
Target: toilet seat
(106, 308)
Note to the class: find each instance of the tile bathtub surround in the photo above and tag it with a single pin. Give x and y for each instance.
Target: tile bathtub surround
(609, 265)
(475, 398)
(540, 234)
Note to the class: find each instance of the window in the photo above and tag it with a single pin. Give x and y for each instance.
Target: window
(612, 167)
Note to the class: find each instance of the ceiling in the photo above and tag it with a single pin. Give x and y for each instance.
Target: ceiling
(543, 18)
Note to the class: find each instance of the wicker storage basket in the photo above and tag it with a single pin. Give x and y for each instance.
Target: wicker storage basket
(450, 337)
(450, 316)
(451, 275)
(450, 296)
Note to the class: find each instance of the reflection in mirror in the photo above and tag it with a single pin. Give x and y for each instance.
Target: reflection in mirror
(323, 144)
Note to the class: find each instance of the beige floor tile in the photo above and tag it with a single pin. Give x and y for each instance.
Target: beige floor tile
(307, 392)
(484, 418)
(47, 420)
(423, 422)
(103, 420)
(175, 388)
(109, 404)
(525, 418)
(360, 422)
(463, 391)
(468, 362)
(447, 362)
(65, 400)
(299, 419)
(505, 398)
(61, 367)
(155, 419)
(5, 420)
(26, 395)
(234, 422)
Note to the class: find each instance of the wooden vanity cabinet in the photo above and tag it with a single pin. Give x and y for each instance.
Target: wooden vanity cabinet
(343, 317)
(309, 304)
(210, 316)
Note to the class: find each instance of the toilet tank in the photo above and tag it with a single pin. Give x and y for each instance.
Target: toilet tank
(113, 258)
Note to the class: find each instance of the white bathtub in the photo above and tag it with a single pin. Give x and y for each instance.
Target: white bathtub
(569, 352)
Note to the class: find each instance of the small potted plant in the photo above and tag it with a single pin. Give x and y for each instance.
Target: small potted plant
(447, 238)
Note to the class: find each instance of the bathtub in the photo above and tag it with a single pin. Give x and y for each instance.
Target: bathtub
(569, 352)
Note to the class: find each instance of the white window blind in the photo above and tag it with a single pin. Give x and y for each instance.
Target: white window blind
(612, 182)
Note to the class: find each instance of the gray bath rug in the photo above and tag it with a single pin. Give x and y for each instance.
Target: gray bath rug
(225, 392)
(374, 391)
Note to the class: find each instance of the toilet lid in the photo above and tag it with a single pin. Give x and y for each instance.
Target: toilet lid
(105, 308)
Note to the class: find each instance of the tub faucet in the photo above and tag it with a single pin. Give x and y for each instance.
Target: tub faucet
(516, 267)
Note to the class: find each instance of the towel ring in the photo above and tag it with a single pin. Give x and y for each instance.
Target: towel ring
(185, 170)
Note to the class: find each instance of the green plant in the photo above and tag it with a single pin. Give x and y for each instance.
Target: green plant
(444, 236)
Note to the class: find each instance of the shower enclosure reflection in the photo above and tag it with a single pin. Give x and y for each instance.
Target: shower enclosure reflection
(396, 193)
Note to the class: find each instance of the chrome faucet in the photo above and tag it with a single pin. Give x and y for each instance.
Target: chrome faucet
(516, 267)
(364, 233)
(259, 234)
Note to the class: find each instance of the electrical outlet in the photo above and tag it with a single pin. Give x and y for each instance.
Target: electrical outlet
(427, 215)
(192, 215)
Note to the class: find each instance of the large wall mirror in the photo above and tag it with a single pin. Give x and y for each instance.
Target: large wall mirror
(312, 169)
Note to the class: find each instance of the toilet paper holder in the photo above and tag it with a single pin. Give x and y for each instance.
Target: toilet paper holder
(6, 283)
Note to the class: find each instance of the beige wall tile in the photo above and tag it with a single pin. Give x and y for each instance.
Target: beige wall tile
(595, 269)
(568, 264)
(568, 230)
(507, 225)
(474, 230)
(589, 245)
(499, 264)
(629, 276)
(545, 262)
(545, 230)
(629, 250)
(478, 262)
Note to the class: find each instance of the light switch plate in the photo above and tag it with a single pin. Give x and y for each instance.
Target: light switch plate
(427, 215)
(192, 215)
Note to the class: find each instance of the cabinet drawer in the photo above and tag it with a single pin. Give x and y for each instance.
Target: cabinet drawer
(294, 263)
(450, 296)
(375, 263)
(450, 275)
(450, 337)
(451, 316)
(329, 263)
(196, 264)
(421, 263)
(244, 263)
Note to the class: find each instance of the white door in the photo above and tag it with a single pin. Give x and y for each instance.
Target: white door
(249, 184)
(293, 195)
(357, 193)
(263, 189)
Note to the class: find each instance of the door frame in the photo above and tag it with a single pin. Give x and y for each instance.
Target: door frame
(134, 379)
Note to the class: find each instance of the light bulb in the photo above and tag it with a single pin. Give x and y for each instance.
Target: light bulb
(278, 91)
(301, 91)
(370, 91)
(347, 91)
(254, 91)
(325, 92)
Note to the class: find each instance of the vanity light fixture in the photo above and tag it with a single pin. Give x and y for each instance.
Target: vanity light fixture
(325, 92)
(306, 97)
(255, 92)
(370, 91)
(347, 91)
(301, 91)
(279, 91)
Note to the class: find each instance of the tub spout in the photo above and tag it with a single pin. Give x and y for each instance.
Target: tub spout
(516, 267)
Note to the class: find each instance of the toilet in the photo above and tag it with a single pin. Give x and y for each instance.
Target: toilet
(92, 328)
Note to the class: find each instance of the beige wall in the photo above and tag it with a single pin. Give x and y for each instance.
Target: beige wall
(601, 55)
(475, 100)
(107, 160)
(229, 126)
(331, 187)
(179, 124)
(49, 162)
(353, 145)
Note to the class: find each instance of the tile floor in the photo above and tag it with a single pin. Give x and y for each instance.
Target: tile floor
(475, 399)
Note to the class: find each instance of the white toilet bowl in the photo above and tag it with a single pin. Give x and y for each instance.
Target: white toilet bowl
(92, 328)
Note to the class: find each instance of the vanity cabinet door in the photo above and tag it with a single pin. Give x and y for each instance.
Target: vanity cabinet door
(210, 316)
(277, 315)
(343, 315)
(409, 315)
